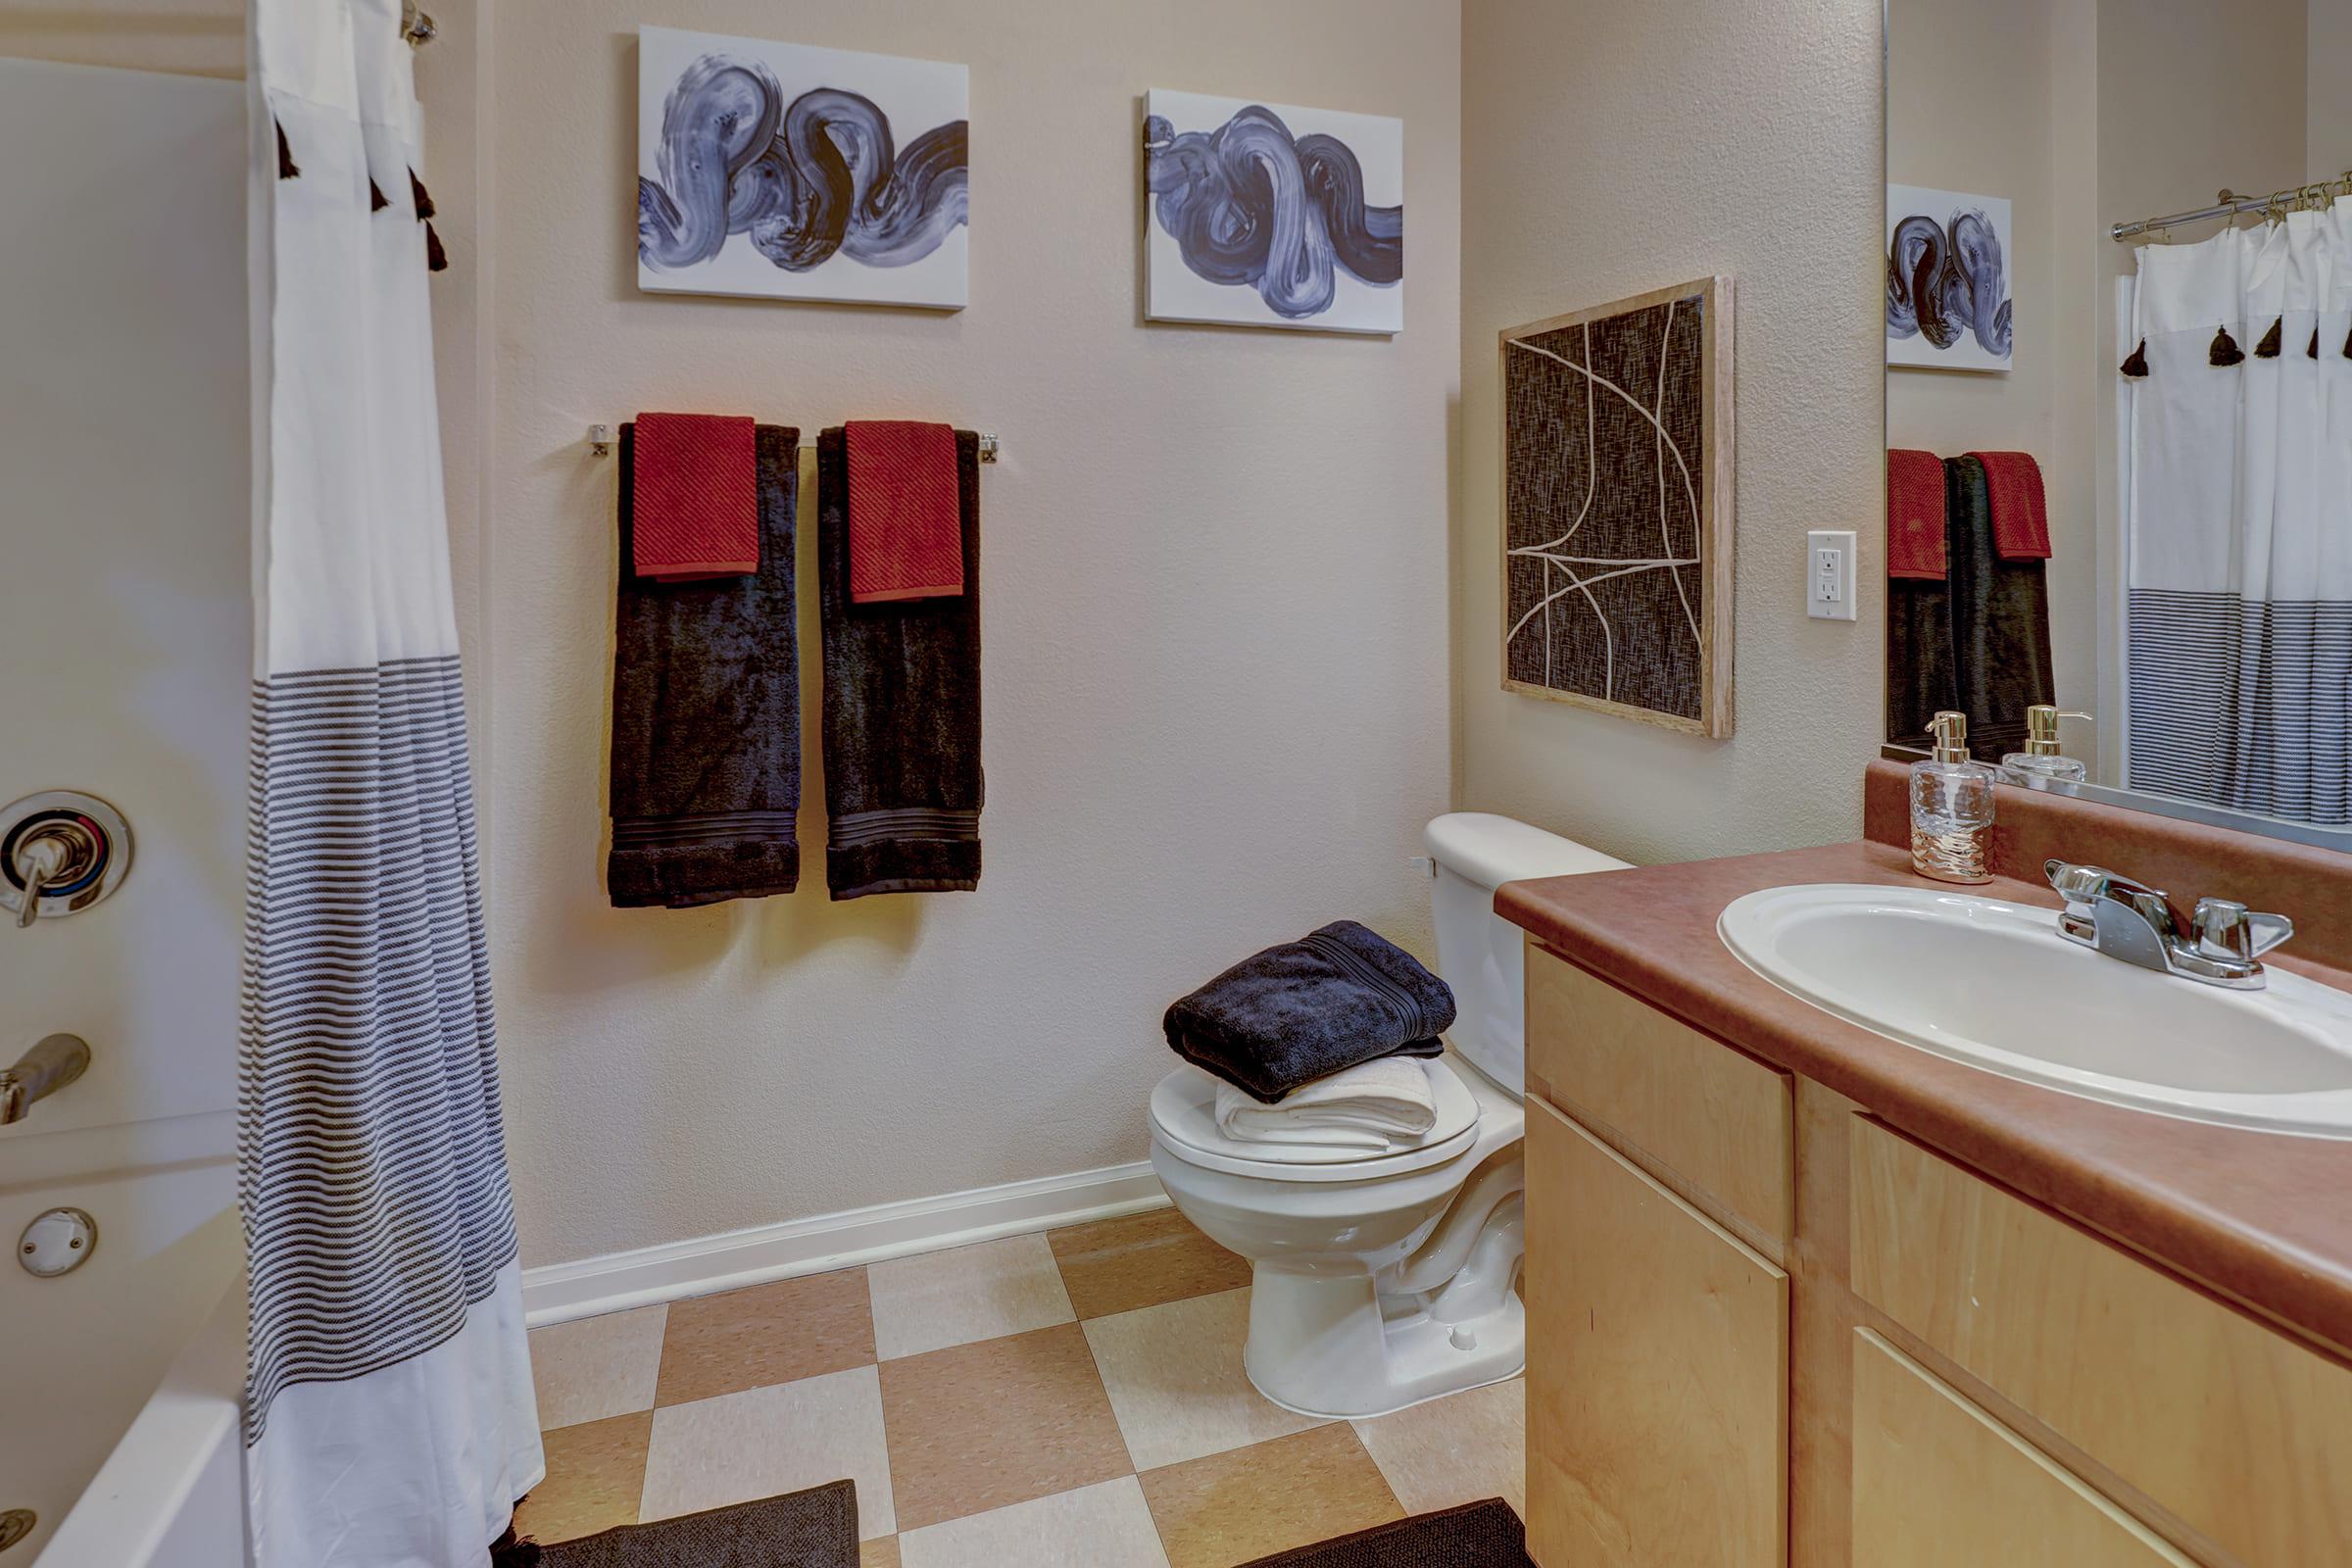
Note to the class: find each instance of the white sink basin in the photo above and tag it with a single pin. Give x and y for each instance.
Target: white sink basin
(1995, 986)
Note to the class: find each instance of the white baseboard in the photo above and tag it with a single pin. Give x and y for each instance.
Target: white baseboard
(558, 1292)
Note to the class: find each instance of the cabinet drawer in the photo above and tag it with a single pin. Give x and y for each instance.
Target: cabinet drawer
(1939, 1484)
(2241, 1433)
(1719, 1120)
(1657, 1372)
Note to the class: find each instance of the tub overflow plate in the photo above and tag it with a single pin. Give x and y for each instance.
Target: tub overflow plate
(59, 1241)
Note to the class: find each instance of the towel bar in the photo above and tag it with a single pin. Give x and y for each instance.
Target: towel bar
(600, 443)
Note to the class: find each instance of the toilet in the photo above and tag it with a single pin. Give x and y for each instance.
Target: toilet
(1384, 1280)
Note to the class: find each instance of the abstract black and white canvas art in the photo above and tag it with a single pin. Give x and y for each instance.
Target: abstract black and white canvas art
(1948, 266)
(785, 171)
(1617, 507)
(1268, 215)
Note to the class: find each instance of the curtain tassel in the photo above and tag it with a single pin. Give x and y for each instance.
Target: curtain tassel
(423, 198)
(2224, 350)
(378, 201)
(2271, 341)
(2312, 351)
(436, 259)
(286, 167)
(2137, 367)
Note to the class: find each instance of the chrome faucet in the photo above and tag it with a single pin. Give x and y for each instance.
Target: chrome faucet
(56, 1062)
(2130, 920)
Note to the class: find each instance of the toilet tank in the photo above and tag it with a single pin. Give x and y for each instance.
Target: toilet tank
(1480, 956)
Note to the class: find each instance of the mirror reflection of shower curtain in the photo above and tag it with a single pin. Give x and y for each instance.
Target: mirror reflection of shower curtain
(389, 1416)
(2236, 458)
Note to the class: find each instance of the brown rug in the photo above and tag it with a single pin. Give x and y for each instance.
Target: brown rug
(1475, 1534)
(812, 1529)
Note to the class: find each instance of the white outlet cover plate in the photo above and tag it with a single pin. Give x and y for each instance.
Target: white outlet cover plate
(1830, 574)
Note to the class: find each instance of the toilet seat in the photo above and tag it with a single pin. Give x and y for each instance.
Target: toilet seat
(1183, 1123)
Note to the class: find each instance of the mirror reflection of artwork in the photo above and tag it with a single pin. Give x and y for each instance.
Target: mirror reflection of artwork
(1265, 214)
(1948, 265)
(785, 171)
(1617, 507)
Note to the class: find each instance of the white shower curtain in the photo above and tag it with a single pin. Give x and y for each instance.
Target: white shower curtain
(389, 1415)
(2239, 519)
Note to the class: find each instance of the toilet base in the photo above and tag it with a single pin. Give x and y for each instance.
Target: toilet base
(1333, 1348)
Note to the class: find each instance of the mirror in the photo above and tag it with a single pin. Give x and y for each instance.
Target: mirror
(2119, 405)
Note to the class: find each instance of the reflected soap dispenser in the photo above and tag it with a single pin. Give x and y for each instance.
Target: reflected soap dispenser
(1951, 807)
(2042, 765)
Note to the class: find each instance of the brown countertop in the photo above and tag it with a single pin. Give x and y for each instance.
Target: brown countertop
(2264, 1217)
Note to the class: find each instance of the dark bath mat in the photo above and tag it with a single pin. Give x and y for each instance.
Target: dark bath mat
(1475, 1534)
(812, 1529)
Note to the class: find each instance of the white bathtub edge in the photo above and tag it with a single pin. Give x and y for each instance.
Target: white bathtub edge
(143, 1501)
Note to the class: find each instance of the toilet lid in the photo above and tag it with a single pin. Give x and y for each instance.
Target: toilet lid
(1184, 1119)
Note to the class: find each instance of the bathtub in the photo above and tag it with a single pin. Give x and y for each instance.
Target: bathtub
(119, 1381)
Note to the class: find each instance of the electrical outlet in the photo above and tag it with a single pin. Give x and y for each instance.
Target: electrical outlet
(1830, 574)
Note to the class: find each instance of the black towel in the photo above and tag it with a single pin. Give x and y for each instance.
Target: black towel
(1333, 1000)
(901, 718)
(1918, 657)
(707, 714)
(2000, 621)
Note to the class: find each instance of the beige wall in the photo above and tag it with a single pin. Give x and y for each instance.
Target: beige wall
(1217, 671)
(2327, 93)
(1609, 149)
(186, 38)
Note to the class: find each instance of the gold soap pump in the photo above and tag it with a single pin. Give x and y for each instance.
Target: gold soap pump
(1951, 807)
(2042, 765)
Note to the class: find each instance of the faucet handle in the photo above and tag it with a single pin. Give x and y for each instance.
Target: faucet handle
(2226, 929)
(2083, 886)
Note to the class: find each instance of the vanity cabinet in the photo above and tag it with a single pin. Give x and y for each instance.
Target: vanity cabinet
(1658, 1407)
(1766, 1328)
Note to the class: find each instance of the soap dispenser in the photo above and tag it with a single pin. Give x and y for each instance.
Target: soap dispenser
(1951, 807)
(2042, 765)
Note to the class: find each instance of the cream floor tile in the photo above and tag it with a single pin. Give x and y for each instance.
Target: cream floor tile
(598, 1366)
(1453, 1450)
(1175, 1378)
(783, 1437)
(1103, 1526)
(935, 1299)
(1240, 1505)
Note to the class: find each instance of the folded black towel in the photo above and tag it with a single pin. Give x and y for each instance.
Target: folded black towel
(707, 714)
(1333, 1000)
(901, 717)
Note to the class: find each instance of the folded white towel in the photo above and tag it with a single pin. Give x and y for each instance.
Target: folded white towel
(1377, 1106)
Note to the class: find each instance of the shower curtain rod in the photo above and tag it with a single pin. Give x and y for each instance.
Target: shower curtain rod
(2229, 204)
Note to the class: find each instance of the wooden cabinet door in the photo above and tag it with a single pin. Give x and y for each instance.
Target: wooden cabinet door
(1657, 1371)
(1940, 1484)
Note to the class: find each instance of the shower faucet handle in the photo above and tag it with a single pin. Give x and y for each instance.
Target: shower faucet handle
(38, 861)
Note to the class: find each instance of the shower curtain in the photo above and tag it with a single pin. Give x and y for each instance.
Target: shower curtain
(2237, 459)
(389, 1417)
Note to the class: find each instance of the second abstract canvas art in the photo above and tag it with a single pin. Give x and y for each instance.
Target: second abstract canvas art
(782, 170)
(1269, 215)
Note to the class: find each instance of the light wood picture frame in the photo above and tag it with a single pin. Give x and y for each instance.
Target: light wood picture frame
(1618, 525)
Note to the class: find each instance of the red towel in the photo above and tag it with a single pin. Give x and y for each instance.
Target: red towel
(905, 515)
(1914, 514)
(696, 515)
(2021, 512)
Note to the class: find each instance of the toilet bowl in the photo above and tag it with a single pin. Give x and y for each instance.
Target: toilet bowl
(1383, 1280)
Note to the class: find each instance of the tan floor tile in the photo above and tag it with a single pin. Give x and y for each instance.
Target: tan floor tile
(783, 1437)
(965, 1294)
(882, 1553)
(1117, 1265)
(777, 1333)
(595, 1473)
(1235, 1506)
(984, 1425)
(1462, 1449)
(1106, 1525)
(597, 1366)
(1174, 1375)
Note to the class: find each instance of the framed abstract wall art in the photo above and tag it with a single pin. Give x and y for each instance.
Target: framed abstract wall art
(783, 171)
(1617, 525)
(1948, 266)
(1267, 214)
